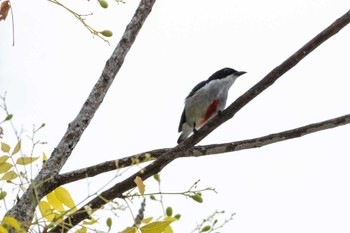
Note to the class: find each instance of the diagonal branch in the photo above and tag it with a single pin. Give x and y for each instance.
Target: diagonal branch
(206, 150)
(25, 207)
(118, 189)
(271, 77)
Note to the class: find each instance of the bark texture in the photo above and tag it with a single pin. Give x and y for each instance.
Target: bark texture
(45, 181)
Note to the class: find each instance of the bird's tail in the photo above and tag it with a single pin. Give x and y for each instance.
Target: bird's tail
(184, 135)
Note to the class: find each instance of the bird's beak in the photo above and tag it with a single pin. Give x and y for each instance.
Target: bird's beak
(239, 73)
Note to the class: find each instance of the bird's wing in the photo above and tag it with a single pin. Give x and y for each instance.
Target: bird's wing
(196, 88)
(183, 120)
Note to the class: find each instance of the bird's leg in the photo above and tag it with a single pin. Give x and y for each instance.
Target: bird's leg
(220, 113)
(194, 127)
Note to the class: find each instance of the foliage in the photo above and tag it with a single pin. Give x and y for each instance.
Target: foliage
(212, 223)
(58, 204)
(81, 18)
(5, 7)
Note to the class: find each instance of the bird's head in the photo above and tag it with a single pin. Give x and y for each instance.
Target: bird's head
(226, 72)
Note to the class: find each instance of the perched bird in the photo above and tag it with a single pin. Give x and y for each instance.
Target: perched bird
(205, 100)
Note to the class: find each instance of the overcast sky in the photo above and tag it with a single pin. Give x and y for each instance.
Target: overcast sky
(301, 185)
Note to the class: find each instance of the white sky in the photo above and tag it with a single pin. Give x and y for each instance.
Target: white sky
(300, 185)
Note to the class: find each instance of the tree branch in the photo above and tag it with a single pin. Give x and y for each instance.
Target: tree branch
(43, 183)
(206, 150)
(270, 78)
(269, 139)
(118, 189)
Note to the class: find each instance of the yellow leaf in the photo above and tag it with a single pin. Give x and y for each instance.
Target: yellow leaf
(59, 217)
(81, 230)
(3, 159)
(21, 230)
(9, 176)
(64, 197)
(44, 160)
(26, 160)
(140, 185)
(129, 230)
(4, 167)
(11, 222)
(54, 202)
(3, 230)
(17, 148)
(88, 209)
(155, 227)
(91, 222)
(5, 147)
(172, 219)
(147, 220)
(168, 229)
(46, 211)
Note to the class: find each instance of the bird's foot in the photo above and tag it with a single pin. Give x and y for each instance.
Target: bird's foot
(194, 128)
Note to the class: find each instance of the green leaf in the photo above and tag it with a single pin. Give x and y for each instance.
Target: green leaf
(4, 158)
(41, 126)
(155, 227)
(206, 228)
(107, 33)
(51, 225)
(4, 167)
(5, 147)
(26, 160)
(103, 4)
(9, 176)
(169, 211)
(17, 148)
(3, 195)
(109, 223)
(197, 198)
(8, 117)
(157, 177)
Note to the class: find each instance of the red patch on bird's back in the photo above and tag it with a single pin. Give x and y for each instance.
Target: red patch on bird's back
(211, 110)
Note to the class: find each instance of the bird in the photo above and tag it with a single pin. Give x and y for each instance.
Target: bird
(206, 100)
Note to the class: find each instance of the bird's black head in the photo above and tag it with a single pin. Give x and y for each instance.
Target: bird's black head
(220, 74)
(223, 73)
